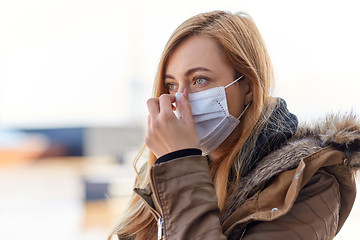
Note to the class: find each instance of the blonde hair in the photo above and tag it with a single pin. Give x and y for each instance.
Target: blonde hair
(244, 49)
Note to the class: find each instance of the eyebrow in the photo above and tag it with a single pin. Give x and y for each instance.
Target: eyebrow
(190, 71)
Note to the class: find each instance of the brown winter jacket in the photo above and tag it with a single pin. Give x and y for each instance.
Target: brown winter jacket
(304, 190)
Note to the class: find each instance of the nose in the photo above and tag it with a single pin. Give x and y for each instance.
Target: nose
(181, 88)
(183, 85)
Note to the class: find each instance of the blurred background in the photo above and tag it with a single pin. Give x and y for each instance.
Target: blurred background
(74, 79)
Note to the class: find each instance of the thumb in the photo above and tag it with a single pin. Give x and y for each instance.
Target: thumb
(185, 108)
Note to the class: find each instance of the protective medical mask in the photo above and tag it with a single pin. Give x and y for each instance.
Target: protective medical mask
(210, 112)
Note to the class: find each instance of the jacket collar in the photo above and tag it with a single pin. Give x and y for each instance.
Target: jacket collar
(340, 131)
(280, 127)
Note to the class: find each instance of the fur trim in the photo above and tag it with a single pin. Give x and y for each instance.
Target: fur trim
(342, 132)
(345, 134)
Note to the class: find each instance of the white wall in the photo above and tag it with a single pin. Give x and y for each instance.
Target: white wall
(82, 63)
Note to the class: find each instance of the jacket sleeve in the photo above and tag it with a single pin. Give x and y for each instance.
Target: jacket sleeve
(314, 214)
(184, 195)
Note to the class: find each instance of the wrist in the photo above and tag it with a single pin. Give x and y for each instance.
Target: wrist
(178, 154)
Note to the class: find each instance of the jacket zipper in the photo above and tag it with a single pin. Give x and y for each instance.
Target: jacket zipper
(160, 220)
(157, 215)
(243, 233)
(160, 228)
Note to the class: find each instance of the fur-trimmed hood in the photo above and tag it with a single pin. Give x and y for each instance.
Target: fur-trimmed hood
(341, 131)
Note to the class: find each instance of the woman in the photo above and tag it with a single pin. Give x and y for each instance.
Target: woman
(232, 162)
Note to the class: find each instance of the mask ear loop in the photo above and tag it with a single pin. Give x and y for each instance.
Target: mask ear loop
(244, 111)
(234, 81)
(232, 84)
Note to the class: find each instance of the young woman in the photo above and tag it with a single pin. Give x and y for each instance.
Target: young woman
(231, 162)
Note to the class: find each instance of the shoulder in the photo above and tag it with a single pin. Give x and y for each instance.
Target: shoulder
(324, 153)
(341, 131)
(314, 214)
(337, 135)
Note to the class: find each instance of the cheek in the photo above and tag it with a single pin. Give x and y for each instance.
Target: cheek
(235, 102)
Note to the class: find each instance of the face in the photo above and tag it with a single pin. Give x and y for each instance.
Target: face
(198, 64)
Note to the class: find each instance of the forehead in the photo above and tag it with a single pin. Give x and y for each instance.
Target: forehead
(194, 52)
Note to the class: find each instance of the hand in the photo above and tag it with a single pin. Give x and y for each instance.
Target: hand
(166, 133)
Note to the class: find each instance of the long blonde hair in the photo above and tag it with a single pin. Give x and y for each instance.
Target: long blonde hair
(244, 49)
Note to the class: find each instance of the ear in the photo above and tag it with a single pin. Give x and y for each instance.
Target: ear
(247, 90)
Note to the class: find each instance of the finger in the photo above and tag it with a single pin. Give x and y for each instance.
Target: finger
(185, 108)
(149, 121)
(153, 106)
(165, 102)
